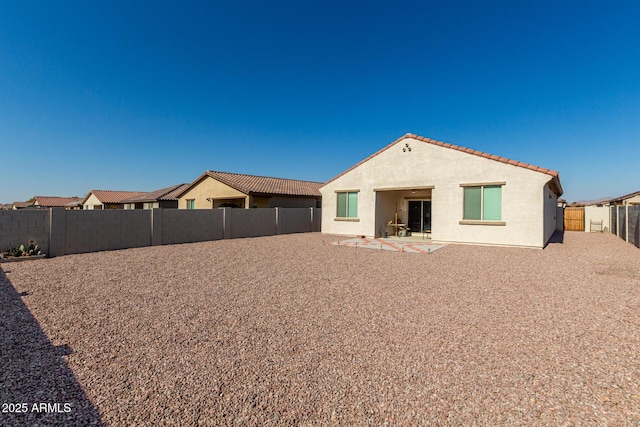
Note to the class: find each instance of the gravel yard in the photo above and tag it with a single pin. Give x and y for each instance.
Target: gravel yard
(292, 330)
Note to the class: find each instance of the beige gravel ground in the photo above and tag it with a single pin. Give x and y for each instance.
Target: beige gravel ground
(288, 330)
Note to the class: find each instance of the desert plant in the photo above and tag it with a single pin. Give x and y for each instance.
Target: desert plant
(33, 248)
(17, 251)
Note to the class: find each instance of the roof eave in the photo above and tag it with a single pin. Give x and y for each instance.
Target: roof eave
(553, 174)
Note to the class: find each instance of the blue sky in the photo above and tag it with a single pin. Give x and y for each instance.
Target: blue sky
(143, 95)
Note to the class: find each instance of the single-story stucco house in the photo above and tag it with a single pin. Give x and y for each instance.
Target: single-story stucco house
(445, 192)
(108, 199)
(21, 205)
(215, 189)
(165, 198)
(57, 202)
(627, 199)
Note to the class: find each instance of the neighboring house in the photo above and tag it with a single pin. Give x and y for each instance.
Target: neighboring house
(21, 205)
(224, 189)
(108, 199)
(628, 199)
(163, 198)
(57, 202)
(443, 191)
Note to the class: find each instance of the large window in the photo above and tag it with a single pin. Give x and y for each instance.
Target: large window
(347, 205)
(191, 204)
(483, 203)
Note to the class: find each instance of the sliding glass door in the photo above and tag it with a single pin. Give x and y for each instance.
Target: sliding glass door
(419, 217)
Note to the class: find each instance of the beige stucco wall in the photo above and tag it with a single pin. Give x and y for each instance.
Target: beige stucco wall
(91, 202)
(597, 213)
(444, 169)
(209, 187)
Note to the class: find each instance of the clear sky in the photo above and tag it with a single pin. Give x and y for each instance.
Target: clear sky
(140, 95)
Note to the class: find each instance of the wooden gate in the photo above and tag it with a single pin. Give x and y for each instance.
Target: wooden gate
(574, 219)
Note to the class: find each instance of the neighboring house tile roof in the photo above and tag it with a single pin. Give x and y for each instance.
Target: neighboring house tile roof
(173, 194)
(621, 198)
(162, 194)
(253, 184)
(55, 201)
(21, 205)
(110, 196)
(552, 173)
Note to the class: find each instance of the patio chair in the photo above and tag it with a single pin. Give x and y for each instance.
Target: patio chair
(595, 226)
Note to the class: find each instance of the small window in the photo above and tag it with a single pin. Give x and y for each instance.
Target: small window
(483, 203)
(191, 203)
(347, 205)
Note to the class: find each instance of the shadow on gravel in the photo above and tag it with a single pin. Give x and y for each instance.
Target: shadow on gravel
(557, 237)
(36, 385)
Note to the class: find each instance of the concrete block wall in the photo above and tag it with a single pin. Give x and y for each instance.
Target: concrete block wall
(295, 220)
(21, 226)
(191, 225)
(102, 230)
(633, 222)
(251, 222)
(63, 232)
(625, 223)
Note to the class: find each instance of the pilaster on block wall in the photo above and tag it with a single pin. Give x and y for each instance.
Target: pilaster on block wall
(156, 226)
(278, 223)
(226, 221)
(57, 232)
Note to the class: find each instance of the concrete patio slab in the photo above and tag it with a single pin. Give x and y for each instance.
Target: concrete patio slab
(420, 247)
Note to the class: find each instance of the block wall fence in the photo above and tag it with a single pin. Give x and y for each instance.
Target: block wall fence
(63, 232)
(625, 223)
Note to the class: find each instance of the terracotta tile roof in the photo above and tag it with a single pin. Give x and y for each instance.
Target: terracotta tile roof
(110, 196)
(267, 185)
(552, 173)
(55, 201)
(20, 205)
(153, 196)
(173, 194)
(253, 184)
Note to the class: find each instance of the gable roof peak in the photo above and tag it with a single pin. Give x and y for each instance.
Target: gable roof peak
(554, 174)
